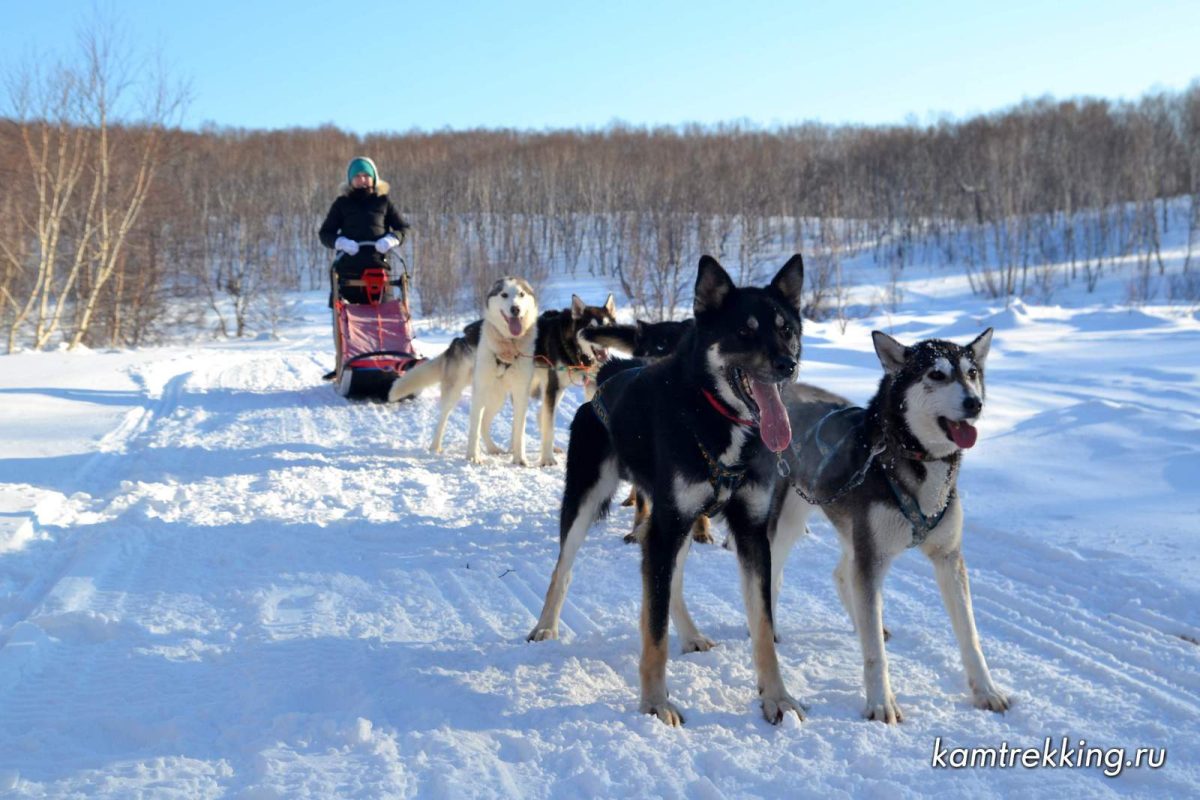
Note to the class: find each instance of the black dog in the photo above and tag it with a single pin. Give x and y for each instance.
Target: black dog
(646, 342)
(642, 340)
(563, 356)
(698, 431)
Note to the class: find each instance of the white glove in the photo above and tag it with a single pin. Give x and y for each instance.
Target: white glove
(347, 246)
(386, 243)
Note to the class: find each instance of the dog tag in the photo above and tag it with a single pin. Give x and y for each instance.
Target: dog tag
(782, 467)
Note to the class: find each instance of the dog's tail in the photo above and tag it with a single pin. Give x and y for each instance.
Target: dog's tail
(422, 376)
(615, 337)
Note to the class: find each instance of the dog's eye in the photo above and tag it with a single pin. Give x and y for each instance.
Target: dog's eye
(504, 295)
(786, 330)
(972, 373)
(937, 375)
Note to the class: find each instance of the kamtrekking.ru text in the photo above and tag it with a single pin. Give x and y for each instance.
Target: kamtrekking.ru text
(1053, 754)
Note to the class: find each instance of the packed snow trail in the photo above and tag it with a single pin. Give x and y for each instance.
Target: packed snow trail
(217, 578)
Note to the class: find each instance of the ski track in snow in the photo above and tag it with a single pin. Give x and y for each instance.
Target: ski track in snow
(250, 587)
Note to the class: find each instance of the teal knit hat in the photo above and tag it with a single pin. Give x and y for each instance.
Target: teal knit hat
(362, 164)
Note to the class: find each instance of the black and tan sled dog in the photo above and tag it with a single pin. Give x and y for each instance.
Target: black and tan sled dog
(698, 431)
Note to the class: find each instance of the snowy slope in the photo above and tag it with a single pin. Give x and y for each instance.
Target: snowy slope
(217, 578)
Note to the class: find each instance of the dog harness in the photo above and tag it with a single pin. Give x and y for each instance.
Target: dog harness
(911, 509)
(831, 448)
(599, 407)
(719, 476)
(827, 451)
(587, 371)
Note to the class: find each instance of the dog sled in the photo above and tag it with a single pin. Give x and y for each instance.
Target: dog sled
(372, 327)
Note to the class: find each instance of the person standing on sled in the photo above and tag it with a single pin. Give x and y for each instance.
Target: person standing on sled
(362, 215)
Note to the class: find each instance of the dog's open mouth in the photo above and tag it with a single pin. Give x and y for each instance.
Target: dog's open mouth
(764, 402)
(514, 324)
(740, 384)
(962, 433)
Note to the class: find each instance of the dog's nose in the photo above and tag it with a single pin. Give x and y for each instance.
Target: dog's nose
(514, 312)
(785, 365)
(972, 405)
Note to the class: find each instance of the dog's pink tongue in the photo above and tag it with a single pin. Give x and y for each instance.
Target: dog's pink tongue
(514, 325)
(963, 434)
(773, 425)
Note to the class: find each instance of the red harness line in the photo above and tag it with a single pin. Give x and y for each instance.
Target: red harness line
(725, 411)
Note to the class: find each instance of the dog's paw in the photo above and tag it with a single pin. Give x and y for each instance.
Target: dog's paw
(540, 634)
(493, 449)
(991, 699)
(520, 461)
(698, 644)
(702, 536)
(559, 450)
(435, 449)
(887, 711)
(776, 707)
(547, 461)
(664, 710)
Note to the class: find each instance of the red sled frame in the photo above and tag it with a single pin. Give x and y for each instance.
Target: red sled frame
(374, 339)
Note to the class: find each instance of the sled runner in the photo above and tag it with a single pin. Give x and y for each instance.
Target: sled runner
(373, 330)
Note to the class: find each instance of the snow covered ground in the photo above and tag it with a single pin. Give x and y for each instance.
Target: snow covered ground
(219, 579)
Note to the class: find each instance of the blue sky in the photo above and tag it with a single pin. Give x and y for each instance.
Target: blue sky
(537, 65)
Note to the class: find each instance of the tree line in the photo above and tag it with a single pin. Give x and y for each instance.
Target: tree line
(117, 226)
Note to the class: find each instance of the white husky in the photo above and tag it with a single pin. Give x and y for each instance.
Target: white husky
(504, 363)
(496, 356)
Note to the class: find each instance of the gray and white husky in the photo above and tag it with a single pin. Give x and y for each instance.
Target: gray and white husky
(895, 490)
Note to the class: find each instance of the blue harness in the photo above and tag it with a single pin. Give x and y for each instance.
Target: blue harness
(834, 457)
(599, 407)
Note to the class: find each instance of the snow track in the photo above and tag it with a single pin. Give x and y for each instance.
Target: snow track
(239, 584)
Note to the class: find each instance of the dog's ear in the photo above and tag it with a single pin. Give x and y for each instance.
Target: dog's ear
(979, 348)
(577, 306)
(890, 352)
(789, 282)
(497, 288)
(610, 305)
(713, 285)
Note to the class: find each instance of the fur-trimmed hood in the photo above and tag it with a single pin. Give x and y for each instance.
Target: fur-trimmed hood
(382, 187)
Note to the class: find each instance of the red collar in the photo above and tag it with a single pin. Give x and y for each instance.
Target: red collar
(725, 411)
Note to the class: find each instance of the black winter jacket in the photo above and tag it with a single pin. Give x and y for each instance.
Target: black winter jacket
(363, 216)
